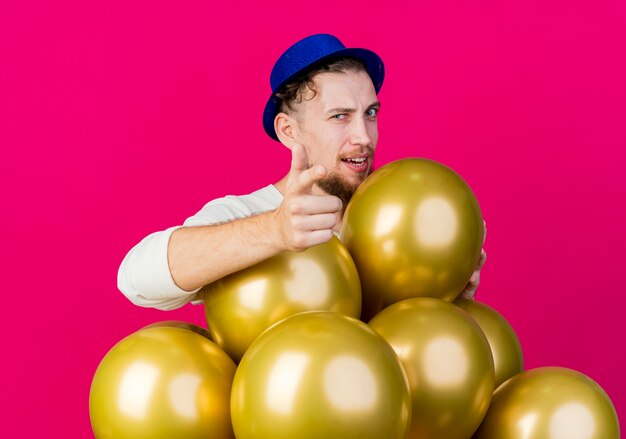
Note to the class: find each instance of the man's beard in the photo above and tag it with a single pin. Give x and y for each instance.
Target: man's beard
(335, 184)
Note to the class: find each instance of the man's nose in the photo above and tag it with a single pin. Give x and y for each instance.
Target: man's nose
(360, 134)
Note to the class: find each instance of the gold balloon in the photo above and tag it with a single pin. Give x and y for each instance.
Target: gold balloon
(320, 375)
(550, 403)
(414, 229)
(505, 346)
(162, 383)
(240, 306)
(183, 325)
(448, 362)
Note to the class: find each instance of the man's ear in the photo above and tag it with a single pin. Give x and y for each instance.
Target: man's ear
(286, 128)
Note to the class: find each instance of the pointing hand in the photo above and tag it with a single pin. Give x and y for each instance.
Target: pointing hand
(306, 219)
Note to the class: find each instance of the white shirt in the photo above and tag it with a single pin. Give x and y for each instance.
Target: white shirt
(144, 275)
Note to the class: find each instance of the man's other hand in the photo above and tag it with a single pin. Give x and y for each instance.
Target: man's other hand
(470, 289)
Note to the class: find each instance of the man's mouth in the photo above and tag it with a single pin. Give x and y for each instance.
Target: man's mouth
(356, 164)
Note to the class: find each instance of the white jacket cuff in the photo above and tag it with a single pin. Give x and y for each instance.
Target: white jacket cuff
(145, 278)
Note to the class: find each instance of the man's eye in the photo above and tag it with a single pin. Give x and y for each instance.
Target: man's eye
(372, 112)
(340, 116)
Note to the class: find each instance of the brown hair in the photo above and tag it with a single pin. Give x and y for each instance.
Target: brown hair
(293, 92)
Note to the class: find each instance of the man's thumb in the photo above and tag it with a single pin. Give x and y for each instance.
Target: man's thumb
(299, 160)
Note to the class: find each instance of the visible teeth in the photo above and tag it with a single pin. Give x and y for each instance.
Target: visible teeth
(357, 160)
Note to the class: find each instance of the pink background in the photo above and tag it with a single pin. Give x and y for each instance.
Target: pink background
(122, 118)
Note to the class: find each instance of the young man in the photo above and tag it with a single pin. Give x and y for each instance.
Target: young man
(323, 108)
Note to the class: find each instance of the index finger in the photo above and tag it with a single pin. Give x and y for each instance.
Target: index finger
(304, 182)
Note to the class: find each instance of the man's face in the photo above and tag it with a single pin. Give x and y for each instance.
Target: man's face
(339, 129)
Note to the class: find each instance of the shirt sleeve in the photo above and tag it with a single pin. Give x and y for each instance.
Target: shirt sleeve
(145, 269)
(144, 276)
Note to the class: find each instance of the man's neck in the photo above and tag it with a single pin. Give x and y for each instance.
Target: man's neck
(281, 185)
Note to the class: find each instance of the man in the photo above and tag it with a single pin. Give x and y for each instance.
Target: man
(323, 108)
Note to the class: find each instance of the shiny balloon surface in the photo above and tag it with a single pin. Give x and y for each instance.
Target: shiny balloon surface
(320, 375)
(448, 363)
(505, 346)
(414, 229)
(162, 383)
(550, 403)
(240, 306)
(183, 325)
